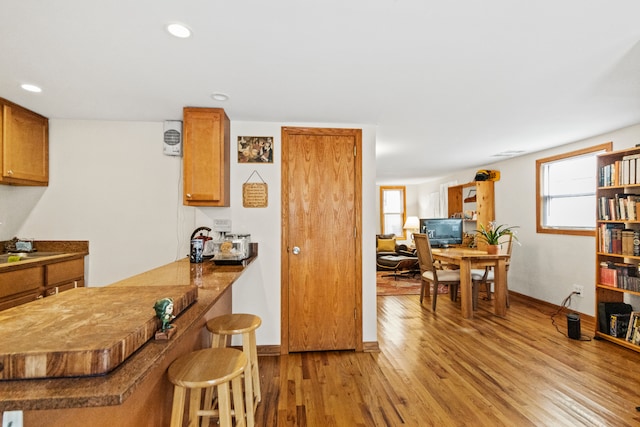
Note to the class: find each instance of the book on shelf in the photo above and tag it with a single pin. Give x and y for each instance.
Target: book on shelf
(620, 275)
(608, 275)
(627, 241)
(625, 171)
(626, 275)
(630, 169)
(610, 238)
(633, 331)
(620, 207)
(606, 309)
(619, 325)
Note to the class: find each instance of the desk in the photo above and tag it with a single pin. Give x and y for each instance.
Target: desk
(473, 258)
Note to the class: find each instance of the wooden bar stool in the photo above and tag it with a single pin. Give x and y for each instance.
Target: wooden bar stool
(223, 327)
(206, 369)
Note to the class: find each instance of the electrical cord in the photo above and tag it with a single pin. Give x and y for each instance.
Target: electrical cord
(565, 305)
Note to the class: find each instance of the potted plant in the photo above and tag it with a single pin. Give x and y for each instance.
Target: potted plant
(493, 233)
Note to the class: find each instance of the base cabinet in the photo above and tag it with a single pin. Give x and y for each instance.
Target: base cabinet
(24, 147)
(21, 286)
(28, 284)
(206, 144)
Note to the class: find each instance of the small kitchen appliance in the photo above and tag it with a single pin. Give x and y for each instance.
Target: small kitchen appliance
(207, 241)
(231, 248)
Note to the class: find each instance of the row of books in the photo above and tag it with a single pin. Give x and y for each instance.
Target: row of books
(616, 239)
(621, 207)
(620, 275)
(622, 172)
(625, 326)
(633, 328)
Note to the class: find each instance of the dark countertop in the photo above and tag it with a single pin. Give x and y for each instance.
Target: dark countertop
(114, 388)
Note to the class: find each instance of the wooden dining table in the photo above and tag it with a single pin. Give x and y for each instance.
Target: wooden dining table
(468, 259)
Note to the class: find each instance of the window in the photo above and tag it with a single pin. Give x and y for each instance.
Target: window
(566, 192)
(392, 210)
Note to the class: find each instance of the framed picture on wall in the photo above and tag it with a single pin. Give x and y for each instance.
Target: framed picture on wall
(255, 149)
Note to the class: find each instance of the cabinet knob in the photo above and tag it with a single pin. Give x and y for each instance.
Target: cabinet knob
(9, 172)
(188, 196)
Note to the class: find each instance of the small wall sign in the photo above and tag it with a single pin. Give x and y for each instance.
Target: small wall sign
(255, 194)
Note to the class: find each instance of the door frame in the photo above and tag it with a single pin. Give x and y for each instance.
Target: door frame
(284, 258)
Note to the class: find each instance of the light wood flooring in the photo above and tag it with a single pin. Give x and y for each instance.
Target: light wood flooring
(440, 370)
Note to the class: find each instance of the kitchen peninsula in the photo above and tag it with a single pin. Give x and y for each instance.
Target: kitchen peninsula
(137, 392)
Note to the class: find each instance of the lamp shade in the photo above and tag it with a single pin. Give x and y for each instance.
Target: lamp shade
(412, 223)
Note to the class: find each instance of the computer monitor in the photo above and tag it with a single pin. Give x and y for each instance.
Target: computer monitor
(442, 232)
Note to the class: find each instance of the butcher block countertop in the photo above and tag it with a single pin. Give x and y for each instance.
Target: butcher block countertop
(113, 388)
(82, 331)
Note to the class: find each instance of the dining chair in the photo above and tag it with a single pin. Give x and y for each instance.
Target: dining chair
(431, 274)
(487, 276)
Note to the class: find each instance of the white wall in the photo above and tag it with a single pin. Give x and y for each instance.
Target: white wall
(544, 266)
(111, 184)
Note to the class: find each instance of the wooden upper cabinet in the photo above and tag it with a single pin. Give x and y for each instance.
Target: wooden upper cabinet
(206, 143)
(24, 151)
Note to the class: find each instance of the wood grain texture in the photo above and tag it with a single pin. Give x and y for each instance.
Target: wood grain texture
(24, 145)
(321, 202)
(84, 331)
(206, 159)
(437, 369)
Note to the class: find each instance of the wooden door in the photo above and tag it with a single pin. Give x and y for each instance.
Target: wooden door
(321, 249)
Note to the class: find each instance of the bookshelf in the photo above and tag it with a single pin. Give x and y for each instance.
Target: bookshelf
(483, 205)
(617, 239)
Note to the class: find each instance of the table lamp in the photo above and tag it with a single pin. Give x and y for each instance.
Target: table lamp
(412, 225)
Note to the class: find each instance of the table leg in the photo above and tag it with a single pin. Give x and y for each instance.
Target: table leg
(465, 289)
(500, 278)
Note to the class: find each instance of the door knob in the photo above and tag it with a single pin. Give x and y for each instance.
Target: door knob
(296, 250)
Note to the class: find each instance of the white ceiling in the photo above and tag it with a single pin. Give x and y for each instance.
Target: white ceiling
(448, 83)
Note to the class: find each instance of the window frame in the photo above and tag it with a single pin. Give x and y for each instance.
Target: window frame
(606, 147)
(384, 188)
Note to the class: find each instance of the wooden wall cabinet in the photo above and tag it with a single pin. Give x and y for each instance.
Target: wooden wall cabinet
(483, 205)
(617, 226)
(206, 145)
(28, 284)
(24, 147)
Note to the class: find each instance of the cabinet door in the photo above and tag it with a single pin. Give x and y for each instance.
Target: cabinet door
(21, 281)
(20, 286)
(64, 272)
(25, 146)
(206, 157)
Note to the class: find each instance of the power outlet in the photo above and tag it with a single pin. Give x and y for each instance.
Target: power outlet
(12, 419)
(579, 290)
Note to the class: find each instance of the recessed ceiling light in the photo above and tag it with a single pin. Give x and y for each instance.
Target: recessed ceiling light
(179, 30)
(31, 88)
(219, 96)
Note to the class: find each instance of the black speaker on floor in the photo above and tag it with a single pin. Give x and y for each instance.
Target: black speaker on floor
(573, 326)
